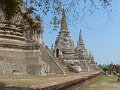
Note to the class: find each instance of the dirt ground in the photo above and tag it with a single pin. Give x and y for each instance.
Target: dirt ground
(29, 80)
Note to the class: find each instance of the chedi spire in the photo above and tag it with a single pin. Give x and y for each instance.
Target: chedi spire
(80, 38)
(63, 22)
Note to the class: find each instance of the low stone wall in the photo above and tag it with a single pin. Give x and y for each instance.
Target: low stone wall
(69, 84)
(75, 83)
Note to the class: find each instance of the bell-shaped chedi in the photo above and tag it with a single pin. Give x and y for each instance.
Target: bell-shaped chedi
(20, 46)
(12, 45)
(64, 45)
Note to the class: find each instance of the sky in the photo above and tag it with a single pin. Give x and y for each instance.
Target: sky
(101, 34)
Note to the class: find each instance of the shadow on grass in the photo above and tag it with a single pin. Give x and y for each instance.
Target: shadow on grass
(18, 88)
(4, 87)
(113, 79)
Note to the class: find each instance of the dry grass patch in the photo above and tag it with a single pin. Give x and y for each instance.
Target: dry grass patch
(104, 82)
(29, 80)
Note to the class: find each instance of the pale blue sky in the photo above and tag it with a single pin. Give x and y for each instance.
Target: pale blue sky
(101, 35)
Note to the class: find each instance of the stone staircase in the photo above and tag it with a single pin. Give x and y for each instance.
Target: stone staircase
(64, 66)
(55, 66)
(84, 65)
(68, 67)
(34, 65)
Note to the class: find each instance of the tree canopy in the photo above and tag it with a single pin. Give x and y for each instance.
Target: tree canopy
(54, 7)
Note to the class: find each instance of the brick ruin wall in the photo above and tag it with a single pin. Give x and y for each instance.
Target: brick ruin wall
(12, 61)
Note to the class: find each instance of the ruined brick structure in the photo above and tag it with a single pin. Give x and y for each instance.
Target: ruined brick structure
(77, 57)
(23, 53)
(22, 50)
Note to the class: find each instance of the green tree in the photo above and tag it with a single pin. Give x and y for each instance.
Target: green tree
(105, 68)
(10, 8)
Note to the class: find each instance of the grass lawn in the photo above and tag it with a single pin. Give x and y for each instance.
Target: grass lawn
(104, 82)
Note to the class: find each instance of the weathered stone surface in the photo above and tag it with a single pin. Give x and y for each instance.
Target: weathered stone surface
(85, 57)
(64, 45)
(12, 61)
(78, 57)
(20, 49)
(54, 65)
